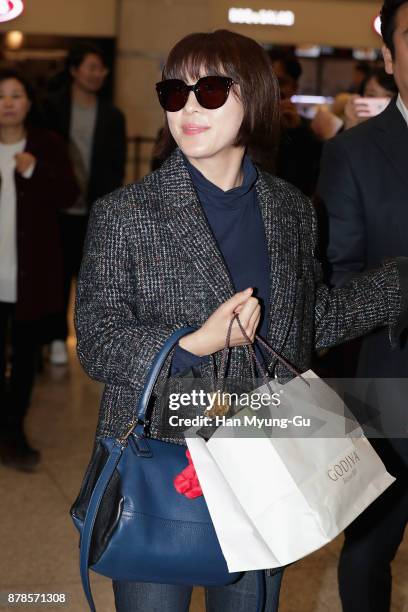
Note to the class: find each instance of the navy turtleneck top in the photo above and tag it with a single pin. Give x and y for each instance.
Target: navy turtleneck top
(236, 222)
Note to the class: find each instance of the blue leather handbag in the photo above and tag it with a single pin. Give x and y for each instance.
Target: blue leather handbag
(134, 525)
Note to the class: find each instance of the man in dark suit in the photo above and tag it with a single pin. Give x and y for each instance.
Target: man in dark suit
(364, 185)
(96, 134)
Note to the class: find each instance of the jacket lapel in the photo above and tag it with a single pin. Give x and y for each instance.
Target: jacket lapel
(391, 136)
(186, 219)
(184, 216)
(281, 231)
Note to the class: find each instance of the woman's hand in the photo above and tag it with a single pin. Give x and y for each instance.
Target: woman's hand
(211, 337)
(24, 161)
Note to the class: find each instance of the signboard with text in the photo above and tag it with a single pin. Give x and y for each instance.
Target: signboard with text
(261, 17)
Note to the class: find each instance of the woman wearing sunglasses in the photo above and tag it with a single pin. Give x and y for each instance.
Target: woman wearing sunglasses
(208, 235)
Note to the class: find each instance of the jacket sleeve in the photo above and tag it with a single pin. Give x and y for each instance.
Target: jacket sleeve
(371, 299)
(183, 361)
(339, 192)
(114, 346)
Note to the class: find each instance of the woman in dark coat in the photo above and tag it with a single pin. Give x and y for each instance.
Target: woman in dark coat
(36, 180)
(207, 235)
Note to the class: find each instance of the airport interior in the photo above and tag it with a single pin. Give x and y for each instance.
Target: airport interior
(330, 41)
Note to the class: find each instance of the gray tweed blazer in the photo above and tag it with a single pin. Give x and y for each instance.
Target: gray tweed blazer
(151, 265)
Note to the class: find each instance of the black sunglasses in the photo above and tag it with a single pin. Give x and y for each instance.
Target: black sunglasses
(211, 92)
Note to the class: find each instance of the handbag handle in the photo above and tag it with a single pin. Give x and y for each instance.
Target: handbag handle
(253, 354)
(286, 363)
(140, 421)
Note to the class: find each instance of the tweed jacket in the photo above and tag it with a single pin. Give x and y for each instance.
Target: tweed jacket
(151, 265)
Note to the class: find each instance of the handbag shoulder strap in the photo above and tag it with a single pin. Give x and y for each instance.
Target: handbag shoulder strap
(90, 518)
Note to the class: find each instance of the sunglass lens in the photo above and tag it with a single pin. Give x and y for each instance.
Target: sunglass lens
(212, 91)
(173, 94)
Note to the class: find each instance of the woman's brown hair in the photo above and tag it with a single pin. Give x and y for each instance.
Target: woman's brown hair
(226, 53)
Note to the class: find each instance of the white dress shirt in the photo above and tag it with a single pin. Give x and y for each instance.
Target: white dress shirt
(402, 108)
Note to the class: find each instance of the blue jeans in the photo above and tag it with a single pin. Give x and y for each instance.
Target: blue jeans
(237, 597)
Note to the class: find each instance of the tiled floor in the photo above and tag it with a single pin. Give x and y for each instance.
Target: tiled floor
(39, 551)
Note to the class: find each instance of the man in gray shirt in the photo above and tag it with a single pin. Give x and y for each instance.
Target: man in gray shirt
(95, 132)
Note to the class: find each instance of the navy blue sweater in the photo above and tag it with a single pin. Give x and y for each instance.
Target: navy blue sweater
(235, 219)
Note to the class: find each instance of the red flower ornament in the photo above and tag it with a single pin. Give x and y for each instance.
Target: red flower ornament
(186, 483)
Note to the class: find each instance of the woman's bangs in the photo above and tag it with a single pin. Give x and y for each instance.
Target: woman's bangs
(196, 64)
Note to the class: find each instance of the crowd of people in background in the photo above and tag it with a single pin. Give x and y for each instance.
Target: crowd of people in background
(58, 157)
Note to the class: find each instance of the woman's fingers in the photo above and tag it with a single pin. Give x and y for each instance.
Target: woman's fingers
(247, 311)
(249, 318)
(210, 337)
(254, 322)
(236, 302)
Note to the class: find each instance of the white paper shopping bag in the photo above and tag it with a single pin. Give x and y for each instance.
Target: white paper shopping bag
(243, 547)
(299, 492)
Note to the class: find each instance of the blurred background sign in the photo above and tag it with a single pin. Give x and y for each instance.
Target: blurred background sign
(10, 9)
(377, 25)
(261, 17)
